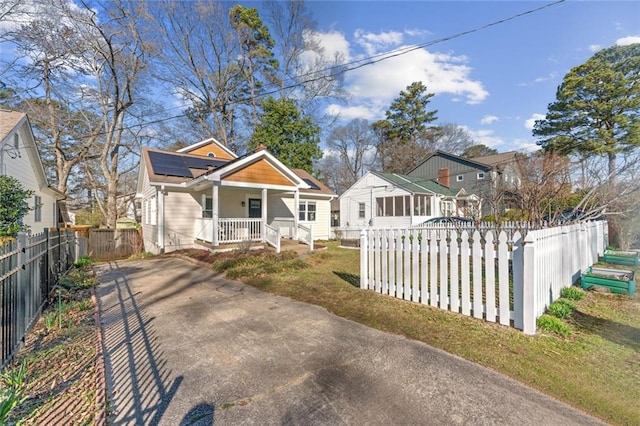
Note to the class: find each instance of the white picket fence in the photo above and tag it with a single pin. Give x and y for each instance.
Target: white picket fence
(510, 279)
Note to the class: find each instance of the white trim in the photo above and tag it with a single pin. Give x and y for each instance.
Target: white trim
(207, 142)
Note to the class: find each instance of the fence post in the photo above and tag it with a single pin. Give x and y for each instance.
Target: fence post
(529, 279)
(22, 285)
(364, 251)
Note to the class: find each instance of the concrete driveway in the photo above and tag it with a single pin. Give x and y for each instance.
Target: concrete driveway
(184, 346)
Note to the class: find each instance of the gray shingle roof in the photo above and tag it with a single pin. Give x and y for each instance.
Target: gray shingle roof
(415, 184)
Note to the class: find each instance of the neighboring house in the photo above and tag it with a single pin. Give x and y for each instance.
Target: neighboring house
(19, 157)
(393, 200)
(482, 176)
(205, 193)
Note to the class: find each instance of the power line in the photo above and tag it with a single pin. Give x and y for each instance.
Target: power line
(354, 65)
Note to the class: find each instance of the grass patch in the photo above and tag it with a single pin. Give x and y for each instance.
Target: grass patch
(594, 368)
(572, 293)
(561, 308)
(553, 324)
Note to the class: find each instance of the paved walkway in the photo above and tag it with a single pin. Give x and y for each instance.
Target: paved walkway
(183, 346)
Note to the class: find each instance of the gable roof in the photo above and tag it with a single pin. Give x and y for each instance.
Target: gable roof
(10, 123)
(175, 167)
(316, 187)
(456, 158)
(204, 143)
(415, 184)
(497, 159)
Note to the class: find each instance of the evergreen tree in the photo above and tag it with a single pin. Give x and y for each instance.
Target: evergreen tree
(287, 134)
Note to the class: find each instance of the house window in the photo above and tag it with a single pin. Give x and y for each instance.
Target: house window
(459, 178)
(407, 205)
(16, 141)
(307, 211)
(388, 206)
(211, 154)
(37, 208)
(207, 208)
(422, 205)
(361, 209)
(447, 208)
(399, 206)
(380, 206)
(480, 175)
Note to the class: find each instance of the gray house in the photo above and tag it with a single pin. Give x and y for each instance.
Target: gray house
(492, 178)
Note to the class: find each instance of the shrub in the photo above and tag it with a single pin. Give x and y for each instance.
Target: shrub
(561, 308)
(553, 325)
(13, 206)
(572, 293)
(11, 390)
(83, 262)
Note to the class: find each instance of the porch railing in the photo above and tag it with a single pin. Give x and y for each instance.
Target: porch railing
(272, 236)
(236, 230)
(306, 235)
(286, 225)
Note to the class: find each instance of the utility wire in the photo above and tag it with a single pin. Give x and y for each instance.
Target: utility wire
(354, 65)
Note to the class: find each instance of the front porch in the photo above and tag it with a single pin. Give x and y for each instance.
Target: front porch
(238, 231)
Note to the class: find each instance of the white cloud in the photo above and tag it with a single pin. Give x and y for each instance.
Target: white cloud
(372, 42)
(484, 137)
(525, 145)
(594, 47)
(625, 41)
(530, 122)
(333, 43)
(488, 119)
(441, 73)
(540, 79)
(351, 112)
(416, 32)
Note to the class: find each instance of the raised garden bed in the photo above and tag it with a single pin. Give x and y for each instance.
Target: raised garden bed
(617, 280)
(628, 258)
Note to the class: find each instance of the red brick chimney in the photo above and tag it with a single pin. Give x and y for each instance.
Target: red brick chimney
(443, 177)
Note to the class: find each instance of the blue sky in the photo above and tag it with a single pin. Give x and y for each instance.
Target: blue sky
(494, 82)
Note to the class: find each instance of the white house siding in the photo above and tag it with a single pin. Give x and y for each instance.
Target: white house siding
(321, 226)
(22, 169)
(149, 230)
(180, 211)
(366, 190)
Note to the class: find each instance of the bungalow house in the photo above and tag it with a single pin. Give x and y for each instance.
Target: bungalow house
(205, 194)
(19, 157)
(393, 200)
(483, 176)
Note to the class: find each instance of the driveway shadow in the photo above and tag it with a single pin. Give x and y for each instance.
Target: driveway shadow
(352, 279)
(200, 415)
(615, 332)
(139, 384)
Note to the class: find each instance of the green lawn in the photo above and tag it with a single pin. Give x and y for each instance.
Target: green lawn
(596, 368)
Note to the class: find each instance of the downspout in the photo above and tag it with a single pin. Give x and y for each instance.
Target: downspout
(160, 198)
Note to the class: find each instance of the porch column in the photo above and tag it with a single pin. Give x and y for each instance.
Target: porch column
(296, 212)
(264, 214)
(215, 214)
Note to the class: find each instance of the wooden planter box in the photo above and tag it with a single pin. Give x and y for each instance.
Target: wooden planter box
(616, 280)
(628, 258)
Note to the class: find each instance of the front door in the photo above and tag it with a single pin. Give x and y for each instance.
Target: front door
(255, 208)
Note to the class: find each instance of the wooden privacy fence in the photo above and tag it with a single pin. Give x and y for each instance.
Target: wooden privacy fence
(30, 268)
(109, 244)
(502, 278)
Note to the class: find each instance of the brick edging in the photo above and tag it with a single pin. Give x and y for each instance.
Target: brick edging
(101, 386)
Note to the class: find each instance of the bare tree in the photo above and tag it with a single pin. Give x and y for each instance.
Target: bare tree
(354, 145)
(451, 138)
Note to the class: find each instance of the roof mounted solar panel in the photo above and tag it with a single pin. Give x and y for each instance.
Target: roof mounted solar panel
(168, 164)
(311, 183)
(203, 163)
